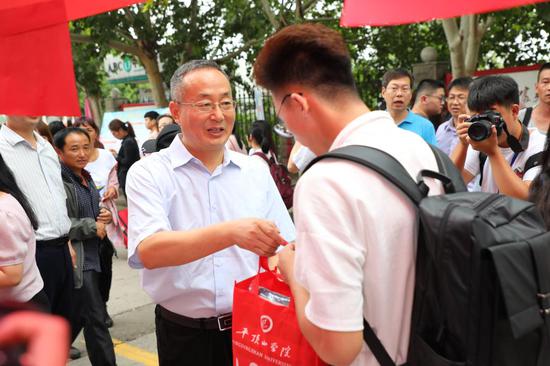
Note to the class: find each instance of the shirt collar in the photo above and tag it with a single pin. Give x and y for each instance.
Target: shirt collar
(179, 155)
(449, 125)
(13, 138)
(366, 118)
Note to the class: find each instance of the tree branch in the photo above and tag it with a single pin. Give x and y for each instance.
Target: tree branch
(270, 14)
(299, 10)
(116, 45)
(235, 53)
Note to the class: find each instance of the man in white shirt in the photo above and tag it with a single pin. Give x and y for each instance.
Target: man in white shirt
(539, 116)
(508, 149)
(356, 232)
(199, 216)
(37, 171)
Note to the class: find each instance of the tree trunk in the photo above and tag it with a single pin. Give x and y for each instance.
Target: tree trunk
(155, 79)
(95, 106)
(456, 48)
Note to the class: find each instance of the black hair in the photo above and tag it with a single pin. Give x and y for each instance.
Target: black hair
(237, 137)
(461, 83)
(427, 86)
(539, 190)
(493, 89)
(260, 131)
(117, 124)
(55, 127)
(9, 185)
(151, 114)
(545, 66)
(60, 138)
(396, 74)
(83, 121)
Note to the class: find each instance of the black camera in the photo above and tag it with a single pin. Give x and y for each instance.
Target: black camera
(481, 125)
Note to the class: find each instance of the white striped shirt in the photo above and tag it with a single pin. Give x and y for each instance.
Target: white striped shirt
(38, 175)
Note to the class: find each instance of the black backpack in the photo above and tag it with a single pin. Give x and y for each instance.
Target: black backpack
(482, 288)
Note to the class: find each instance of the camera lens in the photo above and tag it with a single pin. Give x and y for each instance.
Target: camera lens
(480, 130)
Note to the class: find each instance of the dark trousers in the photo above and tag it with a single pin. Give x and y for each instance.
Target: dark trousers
(90, 314)
(106, 252)
(56, 269)
(40, 301)
(178, 345)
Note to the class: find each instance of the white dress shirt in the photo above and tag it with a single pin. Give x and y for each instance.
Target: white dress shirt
(172, 190)
(37, 173)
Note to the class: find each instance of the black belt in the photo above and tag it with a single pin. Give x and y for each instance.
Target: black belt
(57, 242)
(221, 323)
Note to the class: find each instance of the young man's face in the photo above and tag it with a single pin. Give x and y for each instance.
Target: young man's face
(150, 123)
(204, 130)
(397, 94)
(543, 87)
(457, 101)
(434, 102)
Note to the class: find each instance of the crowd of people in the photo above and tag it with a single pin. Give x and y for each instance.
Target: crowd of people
(202, 209)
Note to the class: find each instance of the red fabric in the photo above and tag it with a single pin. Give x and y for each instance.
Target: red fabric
(380, 12)
(36, 67)
(265, 333)
(123, 222)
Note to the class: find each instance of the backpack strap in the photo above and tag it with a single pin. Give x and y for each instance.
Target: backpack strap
(263, 156)
(448, 169)
(533, 161)
(379, 161)
(527, 116)
(376, 347)
(482, 161)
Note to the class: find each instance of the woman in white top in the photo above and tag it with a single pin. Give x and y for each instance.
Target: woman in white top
(20, 279)
(260, 141)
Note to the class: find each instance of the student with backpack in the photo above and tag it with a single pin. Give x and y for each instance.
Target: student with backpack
(262, 147)
(494, 142)
(356, 234)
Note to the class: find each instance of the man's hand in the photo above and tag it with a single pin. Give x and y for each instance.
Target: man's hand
(46, 337)
(462, 129)
(110, 193)
(286, 262)
(100, 229)
(105, 216)
(488, 146)
(259, 236)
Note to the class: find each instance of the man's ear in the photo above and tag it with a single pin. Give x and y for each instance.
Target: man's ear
(302, 101)
(174, 110)
(515, 110)
(59, 153)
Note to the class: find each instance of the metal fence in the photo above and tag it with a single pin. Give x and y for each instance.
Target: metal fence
(246, 115)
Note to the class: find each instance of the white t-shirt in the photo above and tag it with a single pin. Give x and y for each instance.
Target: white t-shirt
(536, 144)
(356, 237)
(100, 169)
(532, 122)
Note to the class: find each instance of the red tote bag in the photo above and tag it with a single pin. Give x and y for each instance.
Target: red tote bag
(265, 330)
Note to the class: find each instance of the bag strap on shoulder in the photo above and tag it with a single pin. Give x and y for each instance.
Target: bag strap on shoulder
(262, 155)
(379, 161)
(527, 116)
(448, 169)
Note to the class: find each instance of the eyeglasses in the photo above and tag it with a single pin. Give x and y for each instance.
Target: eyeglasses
(459, 97)
(280, 127)
(440, 97)
(394, 89)
(208, 107)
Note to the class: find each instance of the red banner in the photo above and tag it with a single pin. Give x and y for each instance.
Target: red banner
(358, 13)
(36, 67)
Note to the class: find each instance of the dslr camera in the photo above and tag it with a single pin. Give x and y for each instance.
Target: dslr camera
(481, 125)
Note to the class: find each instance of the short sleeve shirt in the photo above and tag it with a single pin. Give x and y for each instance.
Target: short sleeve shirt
(171, 190)
(100, 169)
(356, 238)
(446, 137)
(516, 161)
(18, 247)
(421, 126)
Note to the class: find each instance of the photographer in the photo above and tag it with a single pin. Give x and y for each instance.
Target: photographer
(500, 146)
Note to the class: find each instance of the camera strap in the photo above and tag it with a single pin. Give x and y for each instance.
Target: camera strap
(516, 145)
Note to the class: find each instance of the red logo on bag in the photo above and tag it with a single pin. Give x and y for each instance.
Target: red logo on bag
(266, 323)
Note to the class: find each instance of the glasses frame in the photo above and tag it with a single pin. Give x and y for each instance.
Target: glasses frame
(212, 109)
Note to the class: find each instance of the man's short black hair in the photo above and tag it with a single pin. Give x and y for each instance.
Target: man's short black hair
(151, 114)
(427, 87)
(396, 74)
(461, 83)
(545, 66)
(493, 89)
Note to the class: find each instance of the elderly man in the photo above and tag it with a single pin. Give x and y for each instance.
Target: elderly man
(199, 217)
